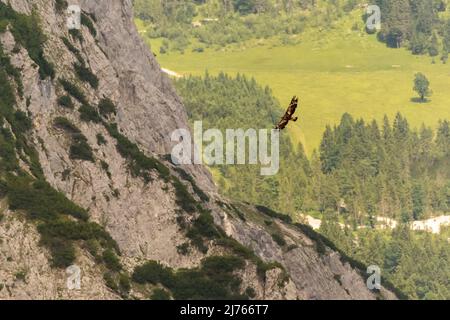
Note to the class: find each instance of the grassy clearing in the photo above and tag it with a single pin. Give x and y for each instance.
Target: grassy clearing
(333, 71)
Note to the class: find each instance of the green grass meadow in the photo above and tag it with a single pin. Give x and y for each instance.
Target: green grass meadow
(333, 71)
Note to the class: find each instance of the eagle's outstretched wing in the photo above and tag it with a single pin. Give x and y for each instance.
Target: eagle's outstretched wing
(289, 115)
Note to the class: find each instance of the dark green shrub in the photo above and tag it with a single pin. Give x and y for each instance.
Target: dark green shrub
(213, 280)
(204, 225)
(76, 34)
(60, 234)
(152, 272)
(124, 283)
(73, 90)
(183, 197)
(61, 6)
(86, 75)
(195, 285)
(185, 176)
(3, 25)
(111, 260)
(101, 139)
(197, 241)
(93, 247)
(9, 161)
(238, 212)
(105, 165)
(74, 50)
(80, 149)
(222, 264)
(22, 122)
(203, 228)
(76, 230)
(86, 21)
(274, 214)
(40, 200)
(21, 275)
(5, 63)
(140, 164)
(160, 294)
(88, 114)
(110, 281)
(183, 249)
(107, 107)
(250, 292)
(65, 101)
(237, 248)
(279, 239)
(62, 251)
(66, 124)
(6, 93)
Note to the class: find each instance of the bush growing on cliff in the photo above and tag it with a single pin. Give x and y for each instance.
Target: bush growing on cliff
(160, 294)
(65, 101)
(61, 5)
(73, 90)
(152, 272)
(62, 251)
(140, 164)
(213, 280)
(86, 21)
(40, 200)
(101, 141)
(66, 125)
(187, 177)
(184, 198)
(88, 114)
(73, 49)
(111, 260)
(278, 238)
(80, 149)
(107, 107)
(76, 34)
(86, 75)
(273, 214)
(5, 63)
(22, 122)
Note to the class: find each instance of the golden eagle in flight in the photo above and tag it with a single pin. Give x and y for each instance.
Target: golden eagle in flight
(289, 115)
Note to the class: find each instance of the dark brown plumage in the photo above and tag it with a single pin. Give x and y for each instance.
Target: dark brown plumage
(289, 115)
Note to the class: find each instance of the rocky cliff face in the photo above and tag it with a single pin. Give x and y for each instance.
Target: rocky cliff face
(143, 217)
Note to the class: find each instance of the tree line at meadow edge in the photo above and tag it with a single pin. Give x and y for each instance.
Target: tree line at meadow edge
(225, 22)
(361, 171)
(416, 24)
